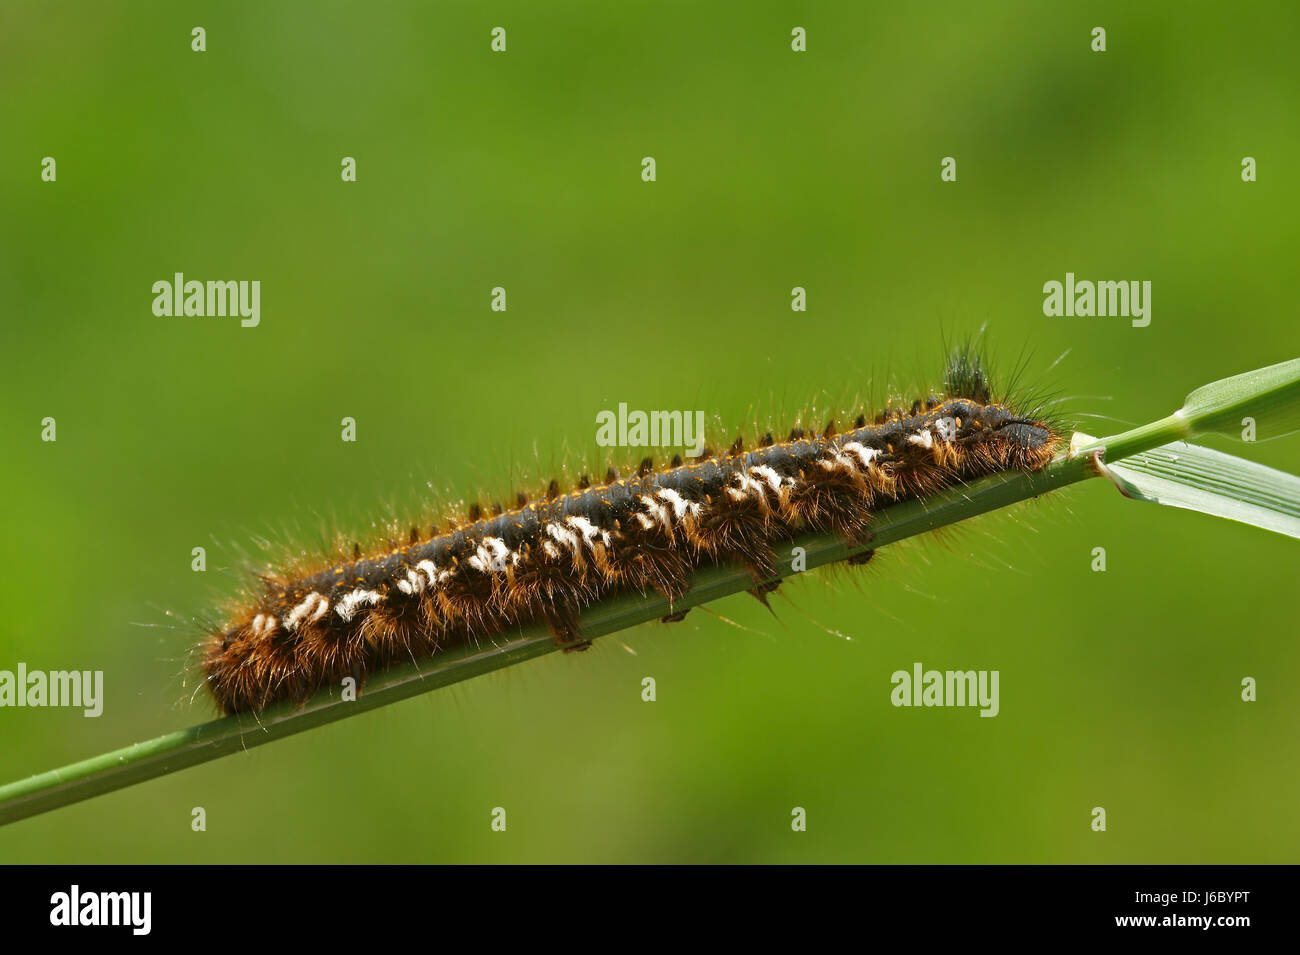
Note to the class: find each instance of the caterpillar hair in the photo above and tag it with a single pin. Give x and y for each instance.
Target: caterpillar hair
(546, 558)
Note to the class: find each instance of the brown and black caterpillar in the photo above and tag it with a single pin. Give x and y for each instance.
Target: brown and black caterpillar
(543, 560)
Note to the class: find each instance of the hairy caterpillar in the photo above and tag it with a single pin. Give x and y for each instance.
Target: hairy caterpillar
(544, 560)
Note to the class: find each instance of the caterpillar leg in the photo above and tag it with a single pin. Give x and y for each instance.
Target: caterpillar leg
(760, 591)
(563, 624)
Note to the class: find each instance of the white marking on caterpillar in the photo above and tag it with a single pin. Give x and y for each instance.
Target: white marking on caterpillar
(681, 506)
(947, 428)
(314, 604)
(349, 602)
(565, 537)
(865, 455)
(774, 480)
(589, 531)
(429, 575)
(657, 511)
(645, 521)
(264, 623)
(836, 462)
(491, 556)
(923, 438)
(747, 487)
(431, 571)
(551, 549)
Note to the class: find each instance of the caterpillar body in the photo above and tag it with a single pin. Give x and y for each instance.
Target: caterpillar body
(545, 559)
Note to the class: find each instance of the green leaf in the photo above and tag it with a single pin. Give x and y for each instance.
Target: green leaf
(1269, 395)
(1202, 479)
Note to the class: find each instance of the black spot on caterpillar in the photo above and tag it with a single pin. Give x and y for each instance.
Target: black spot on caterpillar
(544, 560)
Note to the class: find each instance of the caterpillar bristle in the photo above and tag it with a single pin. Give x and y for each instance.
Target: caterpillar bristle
(550, 556)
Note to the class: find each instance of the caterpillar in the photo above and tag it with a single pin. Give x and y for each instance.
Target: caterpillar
(546, 558)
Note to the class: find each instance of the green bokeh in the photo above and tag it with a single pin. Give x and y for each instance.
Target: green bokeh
(775, 169)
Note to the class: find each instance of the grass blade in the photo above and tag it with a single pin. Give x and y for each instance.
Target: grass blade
(1269, 395)
(1211, 482)
(199, 744)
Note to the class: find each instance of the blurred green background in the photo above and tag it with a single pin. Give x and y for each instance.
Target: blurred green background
(775, 169)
